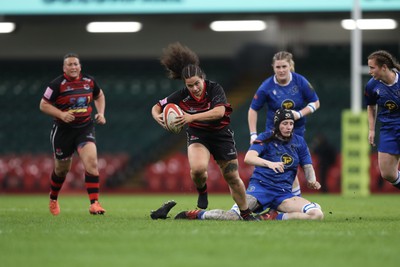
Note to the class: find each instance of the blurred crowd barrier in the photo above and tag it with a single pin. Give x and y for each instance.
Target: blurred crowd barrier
(173, 175)
(30, 173)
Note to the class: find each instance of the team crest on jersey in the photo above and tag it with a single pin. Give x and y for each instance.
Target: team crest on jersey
(391, 105)
(287, 160)
(251, 188)
(294, 90)
(86, 86)
(288, 104)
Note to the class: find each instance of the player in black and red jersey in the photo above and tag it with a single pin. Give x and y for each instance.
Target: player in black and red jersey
(68, 98)
(206, 112)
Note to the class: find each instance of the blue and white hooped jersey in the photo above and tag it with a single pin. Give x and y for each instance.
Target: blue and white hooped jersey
(292, 153)
(387, 97)
(296, 95)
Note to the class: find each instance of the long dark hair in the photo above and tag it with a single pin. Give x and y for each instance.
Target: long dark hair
(383, 57)
(181, 62)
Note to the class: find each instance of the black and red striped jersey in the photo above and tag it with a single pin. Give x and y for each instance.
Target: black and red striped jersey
(74, 96)
(213, 96)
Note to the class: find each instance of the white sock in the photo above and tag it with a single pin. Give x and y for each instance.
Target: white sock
(236, 209)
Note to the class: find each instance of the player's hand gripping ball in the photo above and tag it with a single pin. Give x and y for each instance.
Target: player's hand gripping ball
(170, 112)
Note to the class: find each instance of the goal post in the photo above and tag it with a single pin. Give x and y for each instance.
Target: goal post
(355, 154)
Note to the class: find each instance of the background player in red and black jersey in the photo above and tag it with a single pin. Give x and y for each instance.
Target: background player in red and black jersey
(206, 112)
(68, 99)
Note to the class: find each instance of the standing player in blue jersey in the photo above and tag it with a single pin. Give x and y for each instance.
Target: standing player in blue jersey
(276, 156)
(286, 89)
(383, 91)
(69, 99)
(207, 114)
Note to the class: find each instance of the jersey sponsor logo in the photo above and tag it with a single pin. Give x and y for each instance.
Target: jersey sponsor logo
(48, 93)
(79, 105)
(78, 110)
(232, 152)
(391, 105)
(75, 85)
(288, 104)
(193, 138)
(90, 136)
(192, 110)
(287, 160)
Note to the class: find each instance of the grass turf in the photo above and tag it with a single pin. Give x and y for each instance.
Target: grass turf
(355, 232)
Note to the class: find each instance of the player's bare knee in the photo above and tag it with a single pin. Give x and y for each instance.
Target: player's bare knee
(314, 211)
(316, 214)
(61, 170)
(198, 173)
(388, 176)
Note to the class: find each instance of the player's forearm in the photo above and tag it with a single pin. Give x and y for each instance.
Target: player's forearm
(252, 120)
(309, 173)
(213, 114)
(371, 112)
(310, 108)
(49, 109)
(100, 103)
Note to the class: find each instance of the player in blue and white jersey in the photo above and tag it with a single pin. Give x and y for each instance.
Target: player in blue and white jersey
(276, 156)
(383, 92)
(285, 89)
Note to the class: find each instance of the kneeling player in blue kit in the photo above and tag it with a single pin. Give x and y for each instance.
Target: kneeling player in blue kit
(276, 156)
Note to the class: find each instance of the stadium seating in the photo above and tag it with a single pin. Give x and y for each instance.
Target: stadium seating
(30, 173)
(172, 174)
(132, 87)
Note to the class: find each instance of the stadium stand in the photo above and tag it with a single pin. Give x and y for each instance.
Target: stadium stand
(131, 145)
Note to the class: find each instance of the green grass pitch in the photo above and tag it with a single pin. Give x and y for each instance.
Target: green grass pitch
(356, 232)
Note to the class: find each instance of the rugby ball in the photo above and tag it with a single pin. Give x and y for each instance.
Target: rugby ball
(170, 112)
